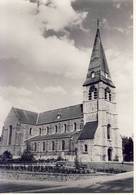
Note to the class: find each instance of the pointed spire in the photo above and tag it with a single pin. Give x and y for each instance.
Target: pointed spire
(98, 63)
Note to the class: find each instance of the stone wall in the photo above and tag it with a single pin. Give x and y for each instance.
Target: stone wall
(18, 175)
(109, 165)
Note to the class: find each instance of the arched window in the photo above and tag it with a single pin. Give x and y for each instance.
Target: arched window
(40, 131)
(65, 128)
(30, 131)
(90, 95)
(95, 93)
(108, 131)
(43, 146)
(56, 128)
(109, 154)
(105, 94)
(47, 130)
(110, 97)
(86, 148)
(35, 146)
(108, 94)
(10, 134)
(63, 145)
(53, 145)
(75, 126)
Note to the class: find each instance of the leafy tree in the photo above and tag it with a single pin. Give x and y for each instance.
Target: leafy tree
(6, 156)
(27, 156)
(127, 144)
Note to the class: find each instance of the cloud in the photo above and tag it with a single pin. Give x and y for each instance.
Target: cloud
(120, 64)
(52, 90)
(40, 72)
(5, 107)
(58, 14)
(119, 29)
(11, 91)
(118, 5)
(30, 49)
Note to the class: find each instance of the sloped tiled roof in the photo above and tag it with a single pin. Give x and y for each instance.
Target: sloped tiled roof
(33, 118)
(88, 131)
(66, 113)
(25, 116)
(53, 136)
(98, 64)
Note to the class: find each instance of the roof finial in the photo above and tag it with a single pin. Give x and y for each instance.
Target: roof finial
(98, 23)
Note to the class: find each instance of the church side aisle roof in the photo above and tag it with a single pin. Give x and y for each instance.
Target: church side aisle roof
(61, 114)
(54, 136)
(89, 130)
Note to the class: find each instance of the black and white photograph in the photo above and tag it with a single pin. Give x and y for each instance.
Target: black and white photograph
(66, 96)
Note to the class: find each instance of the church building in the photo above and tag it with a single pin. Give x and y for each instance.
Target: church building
(88, 130)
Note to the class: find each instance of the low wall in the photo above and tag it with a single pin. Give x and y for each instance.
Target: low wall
(126, 166)
(24, 175)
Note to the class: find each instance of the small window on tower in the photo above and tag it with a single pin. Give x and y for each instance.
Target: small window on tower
(93, 74)
(86, 148)
(106, 75)
(91, 89)
(95, 93)
(110, 97)
(90, 95)
(105, 94)
(108, 131)
(108, 94)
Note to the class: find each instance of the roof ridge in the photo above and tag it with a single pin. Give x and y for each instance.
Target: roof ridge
(60, 108)
(15, 108)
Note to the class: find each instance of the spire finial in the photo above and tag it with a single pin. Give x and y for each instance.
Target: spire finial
(98, 23)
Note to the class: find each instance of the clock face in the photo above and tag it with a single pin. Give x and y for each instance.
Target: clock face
(58, 116)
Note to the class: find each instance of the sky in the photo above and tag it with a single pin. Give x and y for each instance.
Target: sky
(45, 53)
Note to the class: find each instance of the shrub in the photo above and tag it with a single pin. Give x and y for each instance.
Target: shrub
(6, 156)
(27, 156)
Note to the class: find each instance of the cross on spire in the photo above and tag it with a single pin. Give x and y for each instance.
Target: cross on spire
(98, 23)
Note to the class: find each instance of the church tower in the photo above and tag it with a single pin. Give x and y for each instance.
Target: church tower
(100, 134)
